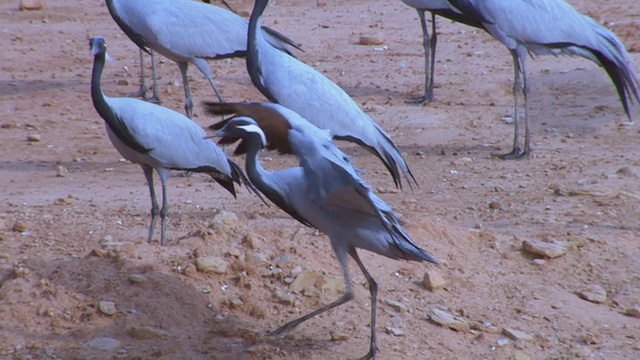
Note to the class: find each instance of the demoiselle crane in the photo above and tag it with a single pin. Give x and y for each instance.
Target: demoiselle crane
(550, 27)
(287, 81)
(324, 192)
(439, 8)
(187, 32)
(158, 138)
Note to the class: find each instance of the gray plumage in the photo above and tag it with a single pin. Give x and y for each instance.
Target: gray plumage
(324, 192)
(188, 32)
(289, 82)
(550, 27)
(158, 138)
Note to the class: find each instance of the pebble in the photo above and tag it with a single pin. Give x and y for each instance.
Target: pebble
(123, 82)
(62, 201)
(517, 334)
(628, 172)
(225, 221)
(448, 320)
(61, 171)
(634, 311)
(394, 331)
(548, 250)
(395, 305)
(433, 280)
(107, 308)
(336, 336)
(371, 39)
(103, 343)
(146, 333)
(256, 258)
(593, 293)
(310, 282)
(137, 278)
(502, 342)
(214, 264)
(539, 262)
(285, 298)
(31, 4)
(19, 226)
(522, 356)
(235, 302)
(33, 138)
(494, 205)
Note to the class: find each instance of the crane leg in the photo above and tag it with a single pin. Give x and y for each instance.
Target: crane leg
(142, 92)
(164, 212)
(148, 173)
(204, 68)
(373, 290)
(429, 44)
(188, 103)
(519, 68)
(154, 71)
(348, 295)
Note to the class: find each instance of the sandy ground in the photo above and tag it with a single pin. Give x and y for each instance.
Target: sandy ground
(74, 216)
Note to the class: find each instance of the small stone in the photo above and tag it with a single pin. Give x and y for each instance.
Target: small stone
(396, 305)
(225, 221)
(235, 302)
(31, 4)
(448, 320)
(33, 138)
(146, 333)
(103, 343)
(107, 308)
(212, 264)
(592, 338)
(19, 226)
(137, 278)
(371, 39)
(61, 171)
(516, 335)
(432, 280)
(633, 311)
(336, 336)
(305, 283)
(522, 356)
(189, 271)
(548, 250)
(285, 298)
(256, 258)
(593, 293)
(394, 331)
(628, 172)
(493, 205)
(62, 202)
(539, 262)
(123, 82)
(502, 342)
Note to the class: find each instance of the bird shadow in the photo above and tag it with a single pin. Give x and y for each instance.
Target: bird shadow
(22, 87)
(39, 166)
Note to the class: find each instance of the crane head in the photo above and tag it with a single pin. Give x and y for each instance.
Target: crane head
(97, 46)
(240, 128)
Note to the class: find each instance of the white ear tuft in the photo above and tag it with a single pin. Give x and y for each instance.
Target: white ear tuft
(252, 128)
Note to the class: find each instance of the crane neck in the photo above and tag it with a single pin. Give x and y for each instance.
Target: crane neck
(255, 24)
(255, 171)
(97, 96)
